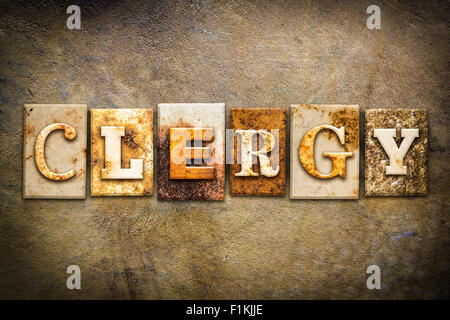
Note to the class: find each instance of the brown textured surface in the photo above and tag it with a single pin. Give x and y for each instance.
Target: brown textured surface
(260, 118)
(136, 144)
(415, 182)
(244, 53)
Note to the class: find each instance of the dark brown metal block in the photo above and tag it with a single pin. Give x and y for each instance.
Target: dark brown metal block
(260, 118)
(414, 182)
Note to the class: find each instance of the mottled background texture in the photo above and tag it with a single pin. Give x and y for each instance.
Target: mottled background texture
(246, 54)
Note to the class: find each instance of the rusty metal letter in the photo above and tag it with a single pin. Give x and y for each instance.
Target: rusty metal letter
(396, 154)
(39, 151)
(306, 153)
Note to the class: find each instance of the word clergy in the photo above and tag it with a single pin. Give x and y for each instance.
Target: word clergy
(193, 148)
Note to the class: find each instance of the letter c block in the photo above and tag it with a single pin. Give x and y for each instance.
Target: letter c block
(55, 151)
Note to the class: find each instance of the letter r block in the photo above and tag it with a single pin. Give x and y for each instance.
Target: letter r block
(121, 152)
(55, 151)
(251, 180)
(324, 151)
(396, 152)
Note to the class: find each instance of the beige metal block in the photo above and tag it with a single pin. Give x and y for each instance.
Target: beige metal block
(121, 152)
(55, 151)
(324, 152)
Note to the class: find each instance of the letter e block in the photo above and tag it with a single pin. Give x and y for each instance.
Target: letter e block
(191, 152)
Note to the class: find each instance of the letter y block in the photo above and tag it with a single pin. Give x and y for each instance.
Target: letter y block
(396, 152)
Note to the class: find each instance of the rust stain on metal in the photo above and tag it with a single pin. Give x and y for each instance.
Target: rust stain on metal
(306, 154)
(129, 139)
(260, 118)
(349, 119)
(136, 144)
(50, 149)
(311, 107)
(29, 130)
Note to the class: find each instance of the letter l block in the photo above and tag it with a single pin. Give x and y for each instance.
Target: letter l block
(121, 152)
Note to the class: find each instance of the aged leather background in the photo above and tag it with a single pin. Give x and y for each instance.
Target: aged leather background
(246, 54)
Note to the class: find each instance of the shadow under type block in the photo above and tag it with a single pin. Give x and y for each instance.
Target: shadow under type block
(258, 150)
(191, 152)
(324, 152)
(55, 151)
(396, 152)
(121, 152)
